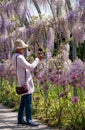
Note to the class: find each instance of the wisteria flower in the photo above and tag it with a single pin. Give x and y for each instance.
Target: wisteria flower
(72, 18)
(82, 3)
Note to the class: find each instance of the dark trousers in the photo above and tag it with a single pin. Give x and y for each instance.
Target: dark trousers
(25, 106)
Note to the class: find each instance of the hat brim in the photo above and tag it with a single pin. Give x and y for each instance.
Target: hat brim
(25, 46)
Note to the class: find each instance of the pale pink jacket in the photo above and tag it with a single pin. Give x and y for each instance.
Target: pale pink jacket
(23, 64)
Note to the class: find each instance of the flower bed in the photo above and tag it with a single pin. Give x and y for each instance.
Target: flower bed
(59, 97)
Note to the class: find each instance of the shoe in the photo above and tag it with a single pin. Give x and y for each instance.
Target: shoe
(32, 123)
(22, 123)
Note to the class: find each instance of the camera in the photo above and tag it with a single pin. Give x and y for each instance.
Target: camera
(40, 51)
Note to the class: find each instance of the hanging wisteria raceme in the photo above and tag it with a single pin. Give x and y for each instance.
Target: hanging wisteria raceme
(21, 10)
(9, 8)
(78, 33)
(73, 17)
(82, 3)
(82, 19)
(39, 32)
(76, 71)
(31, 31)
(15, 15)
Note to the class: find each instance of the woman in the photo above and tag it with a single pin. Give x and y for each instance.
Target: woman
(22, 66)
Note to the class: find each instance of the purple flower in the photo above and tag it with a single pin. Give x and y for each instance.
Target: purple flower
(51, 78)
(66, 90)
(81, 35)
(31, 30)
(63, 81)
(83, 83)
(72, 18)
(75, 99)
(62, 94)
(78, 33)
(41, 82)
(82, 19)
(37, 98)
(75, 76)
(82, 3)
(46, 88)
(78, 85)
(1, 69)
(76, 70)
(50, 70)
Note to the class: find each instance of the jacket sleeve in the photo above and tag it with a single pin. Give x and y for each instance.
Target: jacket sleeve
(25, 64)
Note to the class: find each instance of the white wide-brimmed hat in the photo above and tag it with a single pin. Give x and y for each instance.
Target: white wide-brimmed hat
(18, 44)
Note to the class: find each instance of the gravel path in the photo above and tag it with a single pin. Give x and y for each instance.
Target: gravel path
(8, 121)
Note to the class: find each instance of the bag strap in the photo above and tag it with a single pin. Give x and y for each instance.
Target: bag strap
(16, 67)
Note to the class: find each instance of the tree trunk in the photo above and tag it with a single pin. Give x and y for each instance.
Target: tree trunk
(68, 5)
(51, 7)
(37, 7)
(73, 42)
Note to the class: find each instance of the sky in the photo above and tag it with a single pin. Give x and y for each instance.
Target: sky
(46, 11)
